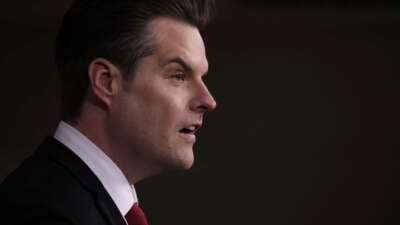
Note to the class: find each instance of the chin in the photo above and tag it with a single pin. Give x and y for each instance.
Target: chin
(188, 165)
(182, 162)
(188, 160)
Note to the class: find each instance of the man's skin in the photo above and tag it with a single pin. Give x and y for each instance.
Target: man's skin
(139, 122)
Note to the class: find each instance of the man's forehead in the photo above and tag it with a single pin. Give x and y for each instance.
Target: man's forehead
(177, 42)
(167, 23)
(170, 32)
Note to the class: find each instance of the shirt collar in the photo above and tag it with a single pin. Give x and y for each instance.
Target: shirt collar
(112, 178)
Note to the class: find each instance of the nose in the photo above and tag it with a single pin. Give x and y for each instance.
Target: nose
(204, 101)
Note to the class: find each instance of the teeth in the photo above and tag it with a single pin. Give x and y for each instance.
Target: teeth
(191, 128)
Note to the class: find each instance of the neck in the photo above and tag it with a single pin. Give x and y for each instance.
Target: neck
(92, 123)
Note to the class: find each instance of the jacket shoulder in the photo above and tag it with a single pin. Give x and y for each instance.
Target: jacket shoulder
(44, 188)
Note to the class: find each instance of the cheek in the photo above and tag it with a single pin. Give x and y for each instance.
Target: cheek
(157, 104)
(165, 110)
(158, 108)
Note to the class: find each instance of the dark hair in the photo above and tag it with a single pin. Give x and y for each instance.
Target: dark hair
(115, 30)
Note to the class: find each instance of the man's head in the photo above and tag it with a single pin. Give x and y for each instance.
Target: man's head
(116, 30)
(134, 84)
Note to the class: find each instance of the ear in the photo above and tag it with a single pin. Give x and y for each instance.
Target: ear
(104, 78)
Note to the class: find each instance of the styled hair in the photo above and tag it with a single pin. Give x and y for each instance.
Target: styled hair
(117, 31)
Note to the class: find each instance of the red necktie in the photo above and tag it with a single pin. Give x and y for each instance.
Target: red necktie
(136, 216)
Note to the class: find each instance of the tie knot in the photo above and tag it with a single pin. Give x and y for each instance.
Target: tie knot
(135, 216)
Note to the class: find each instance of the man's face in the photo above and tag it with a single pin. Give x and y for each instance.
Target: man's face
(156, 114)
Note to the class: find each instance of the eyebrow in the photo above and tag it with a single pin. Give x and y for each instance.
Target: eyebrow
(181, 62)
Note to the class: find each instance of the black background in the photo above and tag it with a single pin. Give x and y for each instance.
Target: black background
(305, 132)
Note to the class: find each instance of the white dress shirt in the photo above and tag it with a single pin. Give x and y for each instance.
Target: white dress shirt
(114, 181)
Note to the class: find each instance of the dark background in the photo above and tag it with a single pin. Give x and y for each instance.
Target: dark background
(306, 130)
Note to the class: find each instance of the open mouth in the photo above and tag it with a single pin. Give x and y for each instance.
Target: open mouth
(189, 129)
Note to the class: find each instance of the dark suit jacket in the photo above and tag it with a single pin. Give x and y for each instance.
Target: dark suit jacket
(54, 186)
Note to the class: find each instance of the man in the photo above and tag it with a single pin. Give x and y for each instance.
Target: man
(133, 98)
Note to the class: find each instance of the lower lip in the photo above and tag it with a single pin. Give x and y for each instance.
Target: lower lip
(188, 137)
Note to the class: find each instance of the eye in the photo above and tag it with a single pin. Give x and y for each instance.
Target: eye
(179, 77)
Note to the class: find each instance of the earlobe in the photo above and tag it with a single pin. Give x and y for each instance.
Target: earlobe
(103, 78)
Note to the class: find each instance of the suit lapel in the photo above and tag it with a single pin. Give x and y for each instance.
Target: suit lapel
(56, 151)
